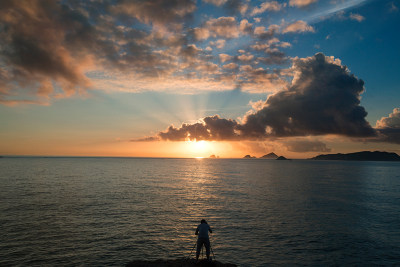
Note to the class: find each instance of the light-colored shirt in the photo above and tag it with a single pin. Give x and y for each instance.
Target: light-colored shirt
(203, 229)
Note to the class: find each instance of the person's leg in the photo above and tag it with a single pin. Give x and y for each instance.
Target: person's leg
(199, 245)
(207, 245)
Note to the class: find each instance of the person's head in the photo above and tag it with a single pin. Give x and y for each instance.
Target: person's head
(203, 221)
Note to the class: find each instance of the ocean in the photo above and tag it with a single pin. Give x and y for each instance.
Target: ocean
(109, 211)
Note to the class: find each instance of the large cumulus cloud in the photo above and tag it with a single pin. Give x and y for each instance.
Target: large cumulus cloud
(323, 99)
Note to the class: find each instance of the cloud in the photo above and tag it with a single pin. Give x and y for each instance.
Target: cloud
(246, 27)
(272, 52)
(35, 49)
(268, 5)
(221, 27)
(155, 11)
(356, 17)
(219, 43)
(323, 99)
(389, 127)
(210, 128)
(245, 57)
(49, 49)
(260, 80)
(224, 57)
(261, 32)
(216, 2)
(303, 146)
(230, 66)
(235, 6)
(298, 26)
(301, 3)
(341, 15)
(52, 49)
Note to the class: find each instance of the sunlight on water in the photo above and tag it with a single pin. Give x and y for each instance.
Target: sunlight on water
(109, 211)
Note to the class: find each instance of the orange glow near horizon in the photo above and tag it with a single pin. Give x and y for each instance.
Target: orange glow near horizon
(62, 146)
(199, 149)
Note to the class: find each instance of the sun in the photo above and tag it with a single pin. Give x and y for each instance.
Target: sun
(199, 149)
(200, 145)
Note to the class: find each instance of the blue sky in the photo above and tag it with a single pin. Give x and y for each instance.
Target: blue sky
(109, 78)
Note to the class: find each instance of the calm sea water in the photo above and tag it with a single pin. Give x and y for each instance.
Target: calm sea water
(109, 211)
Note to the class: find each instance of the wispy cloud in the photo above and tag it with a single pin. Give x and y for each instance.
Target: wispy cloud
(326, 12)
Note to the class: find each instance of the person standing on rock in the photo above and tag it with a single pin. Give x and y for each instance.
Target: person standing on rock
(202, 233)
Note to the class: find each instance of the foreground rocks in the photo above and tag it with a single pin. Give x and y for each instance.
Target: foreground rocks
(178, 263)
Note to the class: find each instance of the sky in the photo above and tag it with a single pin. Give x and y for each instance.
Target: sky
(186, 78)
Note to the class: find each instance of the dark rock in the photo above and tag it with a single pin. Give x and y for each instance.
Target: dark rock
(249, 157)
(281, 158)
(271, 155)
(178, 263)
(361, 156)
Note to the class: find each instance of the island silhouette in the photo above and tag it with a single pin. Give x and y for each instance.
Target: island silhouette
(271, 155)
(357, 156)
(361, 156)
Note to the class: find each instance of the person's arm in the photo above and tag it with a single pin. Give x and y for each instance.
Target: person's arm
(197, 231)
(209, 229)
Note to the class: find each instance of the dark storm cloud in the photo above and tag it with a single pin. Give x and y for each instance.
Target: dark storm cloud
(324, 98)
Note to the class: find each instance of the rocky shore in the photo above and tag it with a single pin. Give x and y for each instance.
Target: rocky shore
(178, 263)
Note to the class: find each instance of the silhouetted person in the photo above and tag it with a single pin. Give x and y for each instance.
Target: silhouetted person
(202, 231)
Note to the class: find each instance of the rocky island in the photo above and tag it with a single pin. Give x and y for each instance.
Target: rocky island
(249, 157)
(271, 155)
(281, 158)
(361, 156)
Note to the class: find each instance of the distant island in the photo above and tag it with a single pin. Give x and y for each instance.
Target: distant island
(214, 157)
(249, 157)
(360, 156)
(281, 158)
(178, 263)
(271, 155)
